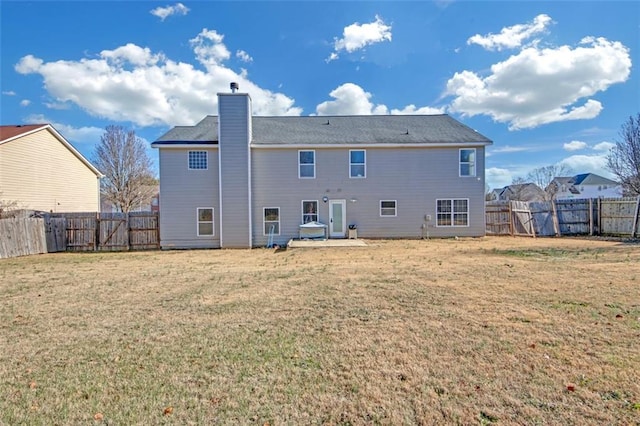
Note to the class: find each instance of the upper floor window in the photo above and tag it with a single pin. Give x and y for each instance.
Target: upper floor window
(198, 160)
(357, 163)
(468, 162)
(205, 221)
(388, 208)
(307, 164)
(309, 211)
(452, 212)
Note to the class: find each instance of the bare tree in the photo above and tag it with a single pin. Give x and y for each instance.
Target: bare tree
(543, 176)
(624, 158)
(7, 207)
(122, 157)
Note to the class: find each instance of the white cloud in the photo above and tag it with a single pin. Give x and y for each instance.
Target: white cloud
(575, 146)
(25, 102)
(79, 135)
(509, 149)
(512, 37)
(164, 12)
(357, 36)
(351, 99)
(57, 105)
(604, 146)
(497, 177)
(412, 109)
(243, 56)
(541, 86)
(588, 164)
(8, 93)
(132, 83)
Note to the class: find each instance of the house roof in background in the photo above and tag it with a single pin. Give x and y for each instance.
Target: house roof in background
(12, 132)
(592, 179)
(336, 130)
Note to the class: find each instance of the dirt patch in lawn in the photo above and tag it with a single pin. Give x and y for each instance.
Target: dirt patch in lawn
(468, 331)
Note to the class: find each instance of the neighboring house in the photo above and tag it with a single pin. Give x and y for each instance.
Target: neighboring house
(40, 170)
(239, 181)
(586, 185)
(150, 203)
(519, 192)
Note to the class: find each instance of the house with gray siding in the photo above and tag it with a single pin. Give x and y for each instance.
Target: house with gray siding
(238, 181)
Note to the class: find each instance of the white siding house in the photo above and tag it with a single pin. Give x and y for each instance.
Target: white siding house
(237, 180)
(40, 170)
(585, 185)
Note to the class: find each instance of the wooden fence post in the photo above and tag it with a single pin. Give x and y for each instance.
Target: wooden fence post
(635, 218)
(554, 215)
(591, 216)
(599, 216)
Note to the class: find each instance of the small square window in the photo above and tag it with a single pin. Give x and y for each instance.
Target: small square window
(388, 208)
(198, 160)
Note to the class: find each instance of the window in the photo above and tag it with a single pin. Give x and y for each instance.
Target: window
(205, 221)
(272, 220)
(309, 211)
(467, 162)
(452, 212)
(197, 160)
(357, 163)
(306, 164)
(388, 208)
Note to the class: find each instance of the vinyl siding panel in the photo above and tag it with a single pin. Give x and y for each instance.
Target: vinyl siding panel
(182, 191)
(414, 177)
(234, 128)
(39, 172)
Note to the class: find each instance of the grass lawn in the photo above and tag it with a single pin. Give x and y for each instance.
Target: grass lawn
(470, 331)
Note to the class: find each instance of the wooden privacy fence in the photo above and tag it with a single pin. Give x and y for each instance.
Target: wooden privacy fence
(108, 231)
(34, 233)
(599, 216)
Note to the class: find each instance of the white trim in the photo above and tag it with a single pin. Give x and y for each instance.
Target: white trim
(198, 222)
(395, 208)
(344, 219)
(475, 162)
(452, 213)
(185, 145)
(358, 164)
(220, 206)
(317, 213)
(372, 145)
(264, 222)
(300, 164)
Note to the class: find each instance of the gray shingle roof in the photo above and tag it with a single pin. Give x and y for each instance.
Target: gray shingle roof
(330, 130)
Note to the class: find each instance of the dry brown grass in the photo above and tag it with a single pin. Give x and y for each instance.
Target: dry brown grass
(471, 331)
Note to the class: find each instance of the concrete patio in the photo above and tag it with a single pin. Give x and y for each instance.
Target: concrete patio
(326, 243)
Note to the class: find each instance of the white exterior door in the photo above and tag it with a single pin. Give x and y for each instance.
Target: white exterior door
(337, 218)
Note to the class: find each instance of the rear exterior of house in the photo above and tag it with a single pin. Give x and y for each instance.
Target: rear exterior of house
(40, 170)
(239, 181)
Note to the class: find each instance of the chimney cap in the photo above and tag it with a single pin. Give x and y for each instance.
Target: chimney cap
(234, 86)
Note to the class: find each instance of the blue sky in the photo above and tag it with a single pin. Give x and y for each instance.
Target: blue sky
(548, 82)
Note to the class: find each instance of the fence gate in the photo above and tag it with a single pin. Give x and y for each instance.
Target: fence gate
(113, 232)
(55, 229)
(521, 219)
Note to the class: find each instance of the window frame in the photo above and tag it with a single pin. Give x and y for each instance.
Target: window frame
(395, 208)
(265, 221)
(472, 164)
(199, 222)
(316, 214)
(300, 164)
(452, 213)
(197, 161)
(363, 164)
